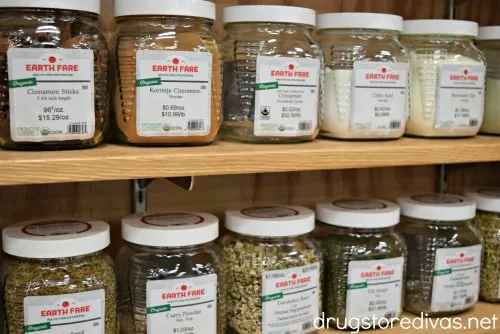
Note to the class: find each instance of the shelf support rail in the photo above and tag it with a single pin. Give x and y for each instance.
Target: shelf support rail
(140, 190)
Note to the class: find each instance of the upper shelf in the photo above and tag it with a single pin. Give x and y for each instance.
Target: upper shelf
(115, 162)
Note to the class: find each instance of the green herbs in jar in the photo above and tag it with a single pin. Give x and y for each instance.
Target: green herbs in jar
(272, 264)
(57, 273)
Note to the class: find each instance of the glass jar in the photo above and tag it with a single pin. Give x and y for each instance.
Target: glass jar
(57, 273)
(171, 278)
(366, 76)
(489, 44)
(447, 80)
(362, 249)
(272, 74)
(488, 222)
(444, 254)
(274, 267)
(53, 82)
(168, 89)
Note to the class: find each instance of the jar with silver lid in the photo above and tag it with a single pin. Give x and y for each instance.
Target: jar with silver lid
(444, 254)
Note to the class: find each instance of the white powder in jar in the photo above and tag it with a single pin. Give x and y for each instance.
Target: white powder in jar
(491, 122)
(438, 110)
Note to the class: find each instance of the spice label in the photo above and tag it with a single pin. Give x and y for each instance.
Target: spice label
(460, 97)
(182, 305)
(62, 314)
(56, 227)
(379, 96)
(51, 94)
(173, 219)
(270, 212)
(174, 95)
(456, 278)
(374, 289)
(286, 96)
(360, 204)
(290, 300)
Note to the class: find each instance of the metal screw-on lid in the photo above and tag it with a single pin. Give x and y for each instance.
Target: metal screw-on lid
(92, 6)
(188, 8)
(55, 238)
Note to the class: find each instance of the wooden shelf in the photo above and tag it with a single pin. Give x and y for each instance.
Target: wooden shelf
(480, 311)
(116, 162)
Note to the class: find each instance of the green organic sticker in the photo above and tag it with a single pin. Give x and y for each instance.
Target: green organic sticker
(148, 82)
(37, 328)
(267, 85)
(270, 298)
(20, 83)
(158, 309)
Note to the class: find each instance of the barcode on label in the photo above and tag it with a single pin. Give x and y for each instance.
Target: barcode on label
(469, 300)
(473, 122)
(196, 125)
(395, 125)
(77, 128)
(390, 315)
(307, 325)
(305, 126)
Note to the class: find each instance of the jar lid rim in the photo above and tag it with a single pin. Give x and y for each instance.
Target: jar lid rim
(442, 207)
(170, 229)
(490, 32)
(55, 238)
(269, 14)
(187, 8)
(487, 199)
(92, 6)
(359, 213)
(271, 220)
(355, 20)
(441, 27)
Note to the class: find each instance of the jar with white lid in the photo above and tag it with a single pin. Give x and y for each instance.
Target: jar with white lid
(447, 80)
(444, 254)
(366, 76)
(489, 43)
(274, 267)
(488, 222)
(168, 88)
(57, 274)
(272, 74)
(171, 277)
(53, 74)
(361, 249)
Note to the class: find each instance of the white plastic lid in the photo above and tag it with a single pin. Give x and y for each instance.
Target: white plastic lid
(487, 199)
(358, 213)
(492, 32)
(271, 221)
(440, 27)
(267, 13)
(174, 229)
(360, 21)
(55, 238)
(191, 8)
(92, 6)
(438, 207)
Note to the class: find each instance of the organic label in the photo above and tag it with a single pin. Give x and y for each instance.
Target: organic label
(62, 314)
(173, 91)
(380, 96)
(173, 219)
(51, 94)
(460, 97)
(456, 278)
(374, 289)
(56, 227)
(290, 299)
(269, 212)
(182, 305)
(286, 96)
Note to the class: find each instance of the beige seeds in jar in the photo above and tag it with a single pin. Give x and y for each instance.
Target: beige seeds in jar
(271, 260)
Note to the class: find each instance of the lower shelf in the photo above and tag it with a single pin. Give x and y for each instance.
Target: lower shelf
(471, 322)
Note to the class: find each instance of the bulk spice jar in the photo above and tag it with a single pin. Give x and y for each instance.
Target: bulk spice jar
(444, 254)
(169, 83)
(58, 278)
(489, 43)
(171, 279)
(447, 81)
(274, 269)
(364, 262)
(367, 76)
(272, 74)
(488, 222)
(53, 65)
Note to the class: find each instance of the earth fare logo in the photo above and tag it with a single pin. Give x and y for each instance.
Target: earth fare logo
(181, 291)
(383, 73)
(65, 308)
(378, 272)
(465, 75)
(52, 63)
(290, 281)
